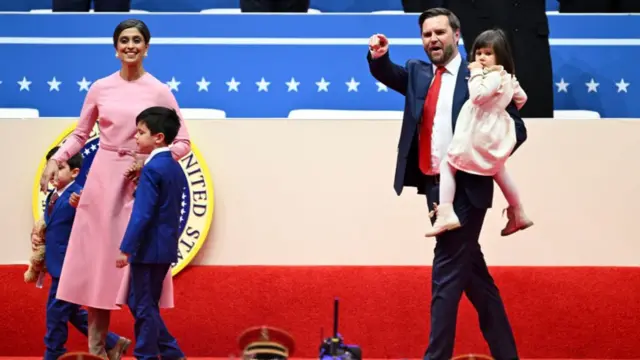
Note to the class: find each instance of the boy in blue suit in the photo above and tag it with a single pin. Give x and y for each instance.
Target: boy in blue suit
(150, 242)
(58, 217)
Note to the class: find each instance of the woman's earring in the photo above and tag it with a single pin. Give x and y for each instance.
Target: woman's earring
(116, 54)
(146, 54)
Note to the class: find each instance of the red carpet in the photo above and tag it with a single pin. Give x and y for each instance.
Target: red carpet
(214, 358)
(577, 313)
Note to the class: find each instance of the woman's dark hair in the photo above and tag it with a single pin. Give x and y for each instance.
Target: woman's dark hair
(497, 40)
(128, 24)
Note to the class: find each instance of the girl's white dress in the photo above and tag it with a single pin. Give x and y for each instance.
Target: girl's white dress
(485, 134)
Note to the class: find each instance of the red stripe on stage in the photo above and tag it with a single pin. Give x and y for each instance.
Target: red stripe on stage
(567, 312)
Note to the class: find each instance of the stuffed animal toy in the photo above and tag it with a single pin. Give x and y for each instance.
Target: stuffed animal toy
(36, 262)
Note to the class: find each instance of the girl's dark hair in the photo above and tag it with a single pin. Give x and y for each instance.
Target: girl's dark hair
(128, 24)
(497, 40)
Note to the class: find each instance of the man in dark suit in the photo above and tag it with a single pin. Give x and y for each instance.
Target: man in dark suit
(526, 25)
(58, 218)
(150, 242)
(434, 94)
(85, 5)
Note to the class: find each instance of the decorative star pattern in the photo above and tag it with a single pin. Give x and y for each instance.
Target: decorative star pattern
(184, 210)
(592, 86)
(322, 85)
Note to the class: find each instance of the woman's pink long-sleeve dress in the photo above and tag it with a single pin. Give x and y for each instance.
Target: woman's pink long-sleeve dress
(89, 274)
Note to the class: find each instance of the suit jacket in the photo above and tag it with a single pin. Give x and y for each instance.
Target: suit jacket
(413, 81)
(58, 229)
(152, 234)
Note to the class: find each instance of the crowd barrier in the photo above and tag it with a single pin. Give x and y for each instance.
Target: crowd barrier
(264, 66)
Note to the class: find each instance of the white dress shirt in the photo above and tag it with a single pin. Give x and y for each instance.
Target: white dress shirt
(442, 129)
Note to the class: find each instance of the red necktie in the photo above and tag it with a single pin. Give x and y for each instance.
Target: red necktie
(428, 114)
(52, 201)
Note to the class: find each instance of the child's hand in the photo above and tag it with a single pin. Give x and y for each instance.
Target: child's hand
(74, 199)
(475, 65)
(36, 235)
(36, 240)
(133, 172)
(495, 68)
(122, 260)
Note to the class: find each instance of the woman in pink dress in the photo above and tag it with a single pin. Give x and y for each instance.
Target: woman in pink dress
(485, 133)
(89, 276)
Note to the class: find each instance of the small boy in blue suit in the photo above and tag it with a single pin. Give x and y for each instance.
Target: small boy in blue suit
(150, 242)
(58, 217)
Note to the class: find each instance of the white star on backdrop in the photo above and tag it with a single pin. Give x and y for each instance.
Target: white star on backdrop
(323, 85)
(592, 86)
(54, 84)
(88, 150)
(263, 85)
(352, 85)
(233, 85)
(562, 86)
(292, 85)
(203, 85)
(24, 84)
(183, 205)
(84, 84)
(622, 86)
(173, 84)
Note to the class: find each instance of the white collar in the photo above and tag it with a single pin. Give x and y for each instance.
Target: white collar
(453, 66)
(60, 192)
(155, 152)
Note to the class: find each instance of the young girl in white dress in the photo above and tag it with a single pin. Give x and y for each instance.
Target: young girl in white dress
(485, 135)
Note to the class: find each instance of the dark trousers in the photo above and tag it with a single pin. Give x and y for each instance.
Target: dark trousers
(152, 336)
(59, 314)
(599, 6)
(85, 5)
(459, 267)
(417, 6)
(291, 6)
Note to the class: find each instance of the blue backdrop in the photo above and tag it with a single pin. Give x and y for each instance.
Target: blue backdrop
(47, 58)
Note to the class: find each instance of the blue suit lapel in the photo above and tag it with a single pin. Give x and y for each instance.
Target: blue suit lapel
(460, 94)
(47, 217)
(56, 206)
(64, 197)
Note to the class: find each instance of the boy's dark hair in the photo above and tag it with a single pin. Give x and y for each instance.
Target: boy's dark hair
(74, 162)
(160, 119)
(495, 39)
(454, 22)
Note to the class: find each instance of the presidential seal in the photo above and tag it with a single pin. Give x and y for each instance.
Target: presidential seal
(197, 197)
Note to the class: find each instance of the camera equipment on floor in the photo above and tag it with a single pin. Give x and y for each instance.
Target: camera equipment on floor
(334, 347)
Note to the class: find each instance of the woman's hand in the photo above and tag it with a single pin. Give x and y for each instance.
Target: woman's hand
(133, 172)
(50, 173)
